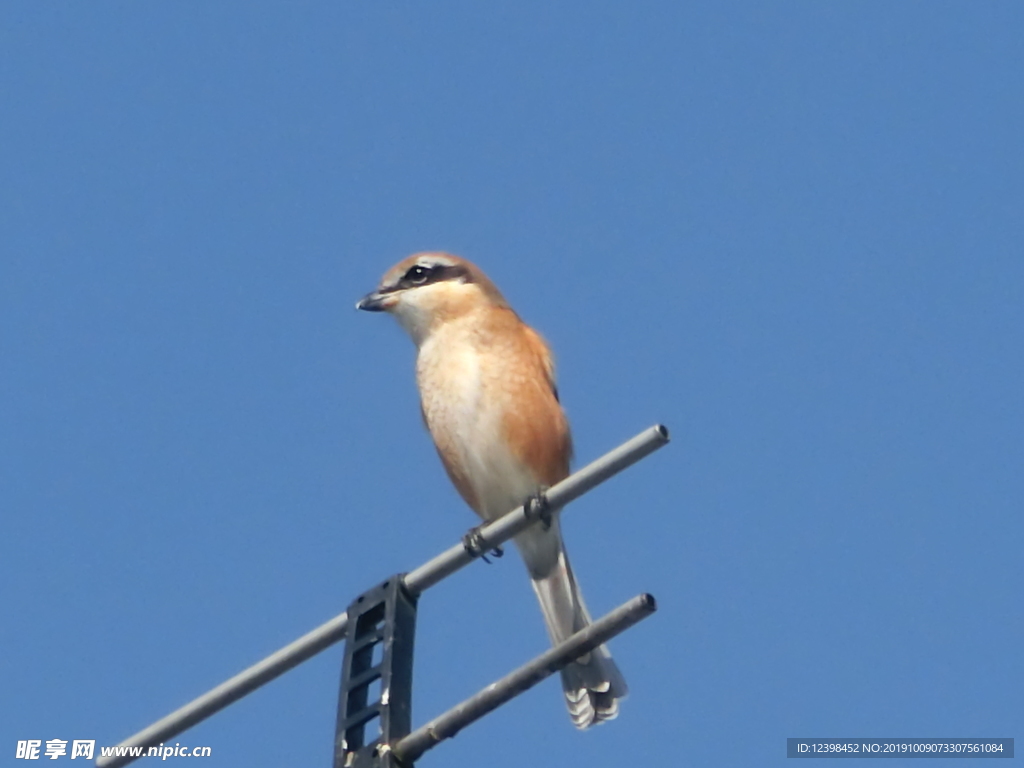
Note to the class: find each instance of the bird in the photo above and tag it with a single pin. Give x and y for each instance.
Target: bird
(490, 402)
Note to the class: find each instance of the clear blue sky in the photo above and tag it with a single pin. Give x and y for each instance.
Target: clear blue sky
(791, 232)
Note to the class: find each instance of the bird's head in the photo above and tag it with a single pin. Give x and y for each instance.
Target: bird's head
(431, 288)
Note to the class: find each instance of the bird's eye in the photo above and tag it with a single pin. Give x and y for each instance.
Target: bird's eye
(417, 274)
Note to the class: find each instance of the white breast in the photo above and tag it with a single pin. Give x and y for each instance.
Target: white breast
(464, 413)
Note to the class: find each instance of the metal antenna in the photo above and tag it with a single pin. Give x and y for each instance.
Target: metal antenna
(494, 695)
(414, 583)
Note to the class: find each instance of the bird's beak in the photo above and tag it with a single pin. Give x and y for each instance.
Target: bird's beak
(372, 302)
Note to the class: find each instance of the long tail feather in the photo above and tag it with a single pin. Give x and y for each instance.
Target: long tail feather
(593, 684)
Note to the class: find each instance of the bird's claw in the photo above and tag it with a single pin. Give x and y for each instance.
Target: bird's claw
(476, 546)
(537, 508)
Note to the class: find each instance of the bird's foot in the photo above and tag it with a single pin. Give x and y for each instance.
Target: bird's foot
(475, 545)
(536, 507)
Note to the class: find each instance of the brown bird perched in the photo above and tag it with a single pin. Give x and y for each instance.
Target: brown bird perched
(488, 396)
